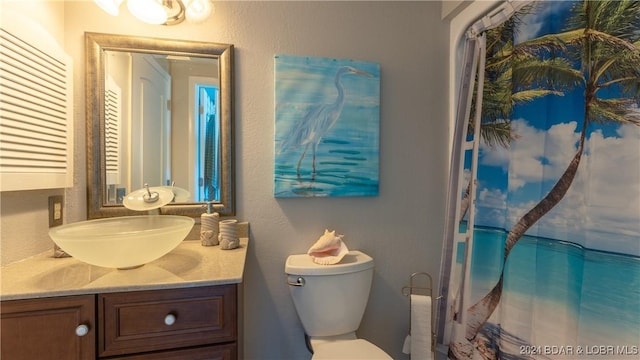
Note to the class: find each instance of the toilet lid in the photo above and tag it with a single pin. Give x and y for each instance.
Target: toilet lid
(349, 349)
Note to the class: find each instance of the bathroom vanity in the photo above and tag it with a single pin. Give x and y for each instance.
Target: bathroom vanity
(185, 305)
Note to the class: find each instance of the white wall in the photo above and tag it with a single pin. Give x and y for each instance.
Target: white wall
(401, 228)
(450, 8)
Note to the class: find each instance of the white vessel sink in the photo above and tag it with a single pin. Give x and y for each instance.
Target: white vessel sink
(122, 242)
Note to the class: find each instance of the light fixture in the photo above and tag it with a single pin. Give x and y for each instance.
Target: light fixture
(162, 12)
(110, 6)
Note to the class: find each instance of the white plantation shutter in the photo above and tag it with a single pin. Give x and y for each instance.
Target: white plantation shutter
(112, 111)
(36, 104)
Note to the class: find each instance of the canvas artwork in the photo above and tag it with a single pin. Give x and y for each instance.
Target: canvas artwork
(327, 127)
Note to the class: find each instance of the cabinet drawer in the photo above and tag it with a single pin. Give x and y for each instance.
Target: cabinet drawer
(134, 322)
(213, 352)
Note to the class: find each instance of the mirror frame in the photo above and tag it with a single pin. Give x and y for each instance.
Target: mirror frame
(95, 45)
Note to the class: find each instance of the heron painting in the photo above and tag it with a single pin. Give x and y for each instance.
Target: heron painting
(327, 127)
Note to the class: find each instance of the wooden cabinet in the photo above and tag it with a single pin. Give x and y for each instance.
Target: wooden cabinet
(186, 324)
(50, 328)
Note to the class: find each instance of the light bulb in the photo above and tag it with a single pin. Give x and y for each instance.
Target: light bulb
(149, 11)
(198, 10)
(111, 7)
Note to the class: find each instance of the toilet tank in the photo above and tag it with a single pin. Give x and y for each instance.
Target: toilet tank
(333, 298)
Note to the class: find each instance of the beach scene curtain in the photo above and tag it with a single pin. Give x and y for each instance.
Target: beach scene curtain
(549, 267)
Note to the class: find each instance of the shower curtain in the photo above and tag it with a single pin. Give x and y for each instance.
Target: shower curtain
(211, 158)
(543, 236)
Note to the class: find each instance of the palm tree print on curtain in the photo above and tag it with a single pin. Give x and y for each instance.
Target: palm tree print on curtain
(512, 77)
(561, 100)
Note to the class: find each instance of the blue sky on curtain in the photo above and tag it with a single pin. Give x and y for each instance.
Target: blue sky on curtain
(556, 244)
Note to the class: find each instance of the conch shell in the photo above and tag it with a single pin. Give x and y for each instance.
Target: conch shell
(329, 249)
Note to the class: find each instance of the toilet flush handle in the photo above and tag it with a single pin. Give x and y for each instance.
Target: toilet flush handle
(299, 282)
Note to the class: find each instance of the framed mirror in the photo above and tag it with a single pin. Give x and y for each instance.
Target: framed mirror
(159, 112)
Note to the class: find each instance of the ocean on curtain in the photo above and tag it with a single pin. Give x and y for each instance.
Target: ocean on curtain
(553, 265)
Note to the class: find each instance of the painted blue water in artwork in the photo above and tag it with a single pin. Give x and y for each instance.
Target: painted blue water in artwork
(326, 127)
(571, 294)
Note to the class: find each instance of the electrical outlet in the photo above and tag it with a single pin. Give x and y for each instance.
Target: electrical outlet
(56, 206)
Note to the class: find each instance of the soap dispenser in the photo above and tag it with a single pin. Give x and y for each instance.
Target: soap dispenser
(209, 226)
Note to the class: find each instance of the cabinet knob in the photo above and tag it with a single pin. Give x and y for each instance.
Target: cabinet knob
(82, 330)
(170, 319)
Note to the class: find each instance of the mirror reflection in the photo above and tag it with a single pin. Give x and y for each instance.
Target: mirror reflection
(161, 125)
(160, 114)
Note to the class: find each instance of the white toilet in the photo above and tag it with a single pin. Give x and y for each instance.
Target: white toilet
(330, 301)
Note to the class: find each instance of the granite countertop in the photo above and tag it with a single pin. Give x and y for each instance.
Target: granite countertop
(188, 265)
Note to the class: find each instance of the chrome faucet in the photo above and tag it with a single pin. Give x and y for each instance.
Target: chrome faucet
(150, 197)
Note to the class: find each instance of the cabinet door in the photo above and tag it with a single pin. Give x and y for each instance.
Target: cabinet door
(216, 352)
(49, 328)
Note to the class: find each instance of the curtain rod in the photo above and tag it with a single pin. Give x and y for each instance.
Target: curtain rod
(496, 17)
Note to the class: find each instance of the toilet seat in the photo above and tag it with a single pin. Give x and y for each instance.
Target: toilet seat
(349, 349)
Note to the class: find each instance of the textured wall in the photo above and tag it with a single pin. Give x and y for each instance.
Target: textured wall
(401, 228)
